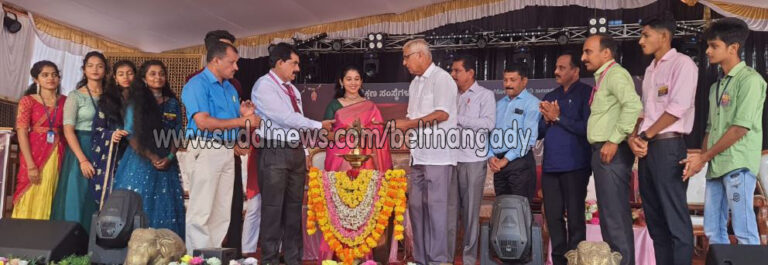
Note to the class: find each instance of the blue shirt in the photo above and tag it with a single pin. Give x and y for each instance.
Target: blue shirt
(517, 125)
(204, 93)
(566, 147)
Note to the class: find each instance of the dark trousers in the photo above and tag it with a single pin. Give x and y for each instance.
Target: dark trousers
(664, 201)
(234, 237)
(518, 177)
(381, 252)
(282, 172)
(565, 192)
(612, 187)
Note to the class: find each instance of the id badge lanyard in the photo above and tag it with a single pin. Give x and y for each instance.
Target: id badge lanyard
(50, 118)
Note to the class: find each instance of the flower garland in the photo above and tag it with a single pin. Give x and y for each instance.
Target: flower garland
(352, 192)
(352, 212)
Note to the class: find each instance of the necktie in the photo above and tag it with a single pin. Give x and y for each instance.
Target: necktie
(292, 95)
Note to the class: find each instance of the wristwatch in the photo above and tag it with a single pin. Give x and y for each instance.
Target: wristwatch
(644, 137)
(557, 119)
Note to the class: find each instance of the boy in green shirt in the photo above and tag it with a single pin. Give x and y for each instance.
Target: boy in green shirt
(733, 138)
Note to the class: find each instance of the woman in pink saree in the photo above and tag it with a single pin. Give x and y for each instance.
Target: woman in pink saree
(349, 106)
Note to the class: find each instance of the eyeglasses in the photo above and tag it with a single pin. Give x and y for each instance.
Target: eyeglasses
(405, 57)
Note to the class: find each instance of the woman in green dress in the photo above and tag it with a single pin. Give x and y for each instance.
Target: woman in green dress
(74, 200)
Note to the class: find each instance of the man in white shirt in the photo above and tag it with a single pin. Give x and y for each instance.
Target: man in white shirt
(476, 115)
(282, 163)
(432, 99)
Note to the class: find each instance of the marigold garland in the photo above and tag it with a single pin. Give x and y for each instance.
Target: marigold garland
(333, 193)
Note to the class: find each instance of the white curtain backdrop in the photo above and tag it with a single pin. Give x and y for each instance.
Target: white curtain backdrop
(60, 44)
(15, 55)
(755, 3)
(69, 64)
(454, 16)
(753, 14)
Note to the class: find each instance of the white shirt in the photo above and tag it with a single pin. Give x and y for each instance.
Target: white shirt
(274, 105)
(476, 110)
(434, 90)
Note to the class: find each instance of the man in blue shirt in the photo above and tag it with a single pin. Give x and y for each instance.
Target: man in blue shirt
(566, 164)
(236, 231)
(515, 134)
(214, 115)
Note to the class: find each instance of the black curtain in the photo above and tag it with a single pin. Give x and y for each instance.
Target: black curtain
(249, 70)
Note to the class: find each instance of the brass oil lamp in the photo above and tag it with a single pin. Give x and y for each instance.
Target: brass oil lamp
(355, 157)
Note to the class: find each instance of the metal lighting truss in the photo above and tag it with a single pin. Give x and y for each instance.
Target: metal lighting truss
(517, 38)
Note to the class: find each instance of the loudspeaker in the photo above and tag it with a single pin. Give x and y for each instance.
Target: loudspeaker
(115, 222)
(105, 255)
(737, 254)
(111, 228)
(46, 240)
(511, 227)
(224, 254)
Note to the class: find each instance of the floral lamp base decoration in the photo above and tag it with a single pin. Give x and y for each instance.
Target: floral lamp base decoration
(352, 212)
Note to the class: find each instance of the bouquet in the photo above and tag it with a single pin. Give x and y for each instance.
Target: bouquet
(591, 214)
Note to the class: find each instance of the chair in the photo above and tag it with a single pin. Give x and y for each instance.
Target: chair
(695, 198)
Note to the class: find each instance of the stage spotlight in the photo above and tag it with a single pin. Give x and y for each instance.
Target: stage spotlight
(308, 42)
(601, 23)
(482, 42)
(376, 41)
(562, 39)
(336, 45)
(511, 228)
(271, 47)
(598, 25)
(11, 24)
(370, 64)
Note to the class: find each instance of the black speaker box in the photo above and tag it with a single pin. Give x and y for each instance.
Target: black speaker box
(46, 240)
(737, 254)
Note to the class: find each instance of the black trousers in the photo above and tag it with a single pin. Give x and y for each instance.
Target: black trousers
(565, 192)
(612, 188)
(234, 237)
(282, 173)
(518, 177)
(664, 201)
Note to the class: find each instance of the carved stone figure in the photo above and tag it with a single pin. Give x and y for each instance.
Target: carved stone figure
(154, 247)
(593, 253)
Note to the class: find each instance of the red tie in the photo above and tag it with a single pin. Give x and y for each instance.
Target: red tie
(289, 91)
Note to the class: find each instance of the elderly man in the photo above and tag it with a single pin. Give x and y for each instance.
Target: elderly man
(433, 101)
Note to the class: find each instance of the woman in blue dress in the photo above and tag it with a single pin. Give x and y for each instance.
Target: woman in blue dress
(147, 167)
(107, 127)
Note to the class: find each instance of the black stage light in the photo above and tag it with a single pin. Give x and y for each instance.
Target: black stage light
(11, 24)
